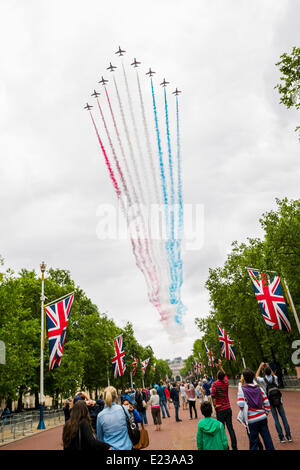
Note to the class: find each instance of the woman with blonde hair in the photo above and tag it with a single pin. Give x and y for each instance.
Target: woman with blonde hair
(112, 424)
(155, 409)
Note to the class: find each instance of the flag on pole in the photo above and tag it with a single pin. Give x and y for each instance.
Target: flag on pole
(210, 357)
(270, 298)
(145, 364)
(197, 367)
(118, 361)
(134, 365)
(167, 378)
(226, 344)
(58, 314)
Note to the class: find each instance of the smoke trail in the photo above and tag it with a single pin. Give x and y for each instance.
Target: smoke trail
(129, 143)
(150, 268)
(140, 152)
(118, 192)
(171, 241)
(166, 204)
(181, 308)
(158, 249)
(111, 173)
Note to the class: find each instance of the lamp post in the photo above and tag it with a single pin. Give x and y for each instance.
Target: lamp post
(41, 424)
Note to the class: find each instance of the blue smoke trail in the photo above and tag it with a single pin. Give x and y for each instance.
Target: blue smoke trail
(171, 241)
(168, 243)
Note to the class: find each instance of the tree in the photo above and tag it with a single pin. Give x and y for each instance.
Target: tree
(289, 89)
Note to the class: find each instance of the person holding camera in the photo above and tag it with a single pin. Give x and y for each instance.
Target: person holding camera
(270, 384)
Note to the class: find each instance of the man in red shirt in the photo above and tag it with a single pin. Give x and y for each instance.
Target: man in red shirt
(219, 394)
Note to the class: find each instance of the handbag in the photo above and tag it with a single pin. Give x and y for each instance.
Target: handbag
(144, 404)
(144, 439)
(133, 430)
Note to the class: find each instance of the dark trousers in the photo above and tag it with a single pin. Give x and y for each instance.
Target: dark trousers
(279, 410)
(225, 416)
(176, 406)
(192, 405)
(260, 427)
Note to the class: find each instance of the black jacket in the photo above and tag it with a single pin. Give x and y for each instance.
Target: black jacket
(86, 440)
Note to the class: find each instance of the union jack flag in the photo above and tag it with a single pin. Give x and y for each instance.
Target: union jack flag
(118, 361)
(210, 357)
(58, 314)
(197, 367)
(134, 365)
(271, 301)
(226, 344)
(145, 364)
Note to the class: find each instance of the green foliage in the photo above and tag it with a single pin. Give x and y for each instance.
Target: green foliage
(232, 300)
(289, 88)
(88, 349)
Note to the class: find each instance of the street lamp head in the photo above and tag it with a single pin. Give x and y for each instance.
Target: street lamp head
(43, 267)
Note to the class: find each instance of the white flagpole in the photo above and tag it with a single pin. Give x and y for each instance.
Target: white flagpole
(41, 424)
(292, 305)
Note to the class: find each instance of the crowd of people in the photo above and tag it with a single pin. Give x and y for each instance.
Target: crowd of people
(117, 421)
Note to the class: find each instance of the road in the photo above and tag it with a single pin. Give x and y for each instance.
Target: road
(179, 436)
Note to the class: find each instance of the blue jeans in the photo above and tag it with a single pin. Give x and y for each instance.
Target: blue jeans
(260, 427)
(176, 406)
(163, 404)
(143, 415)
(281, 412)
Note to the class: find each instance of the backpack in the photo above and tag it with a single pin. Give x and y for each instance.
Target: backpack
(273, 393)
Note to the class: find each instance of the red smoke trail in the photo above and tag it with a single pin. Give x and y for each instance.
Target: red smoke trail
(115, 184)
(111, 173)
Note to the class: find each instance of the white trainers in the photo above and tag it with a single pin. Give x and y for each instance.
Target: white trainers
(282, 440)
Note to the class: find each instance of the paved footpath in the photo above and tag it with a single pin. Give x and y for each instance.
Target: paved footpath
(179, 436)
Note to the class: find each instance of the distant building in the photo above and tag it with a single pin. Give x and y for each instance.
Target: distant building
(176, 365)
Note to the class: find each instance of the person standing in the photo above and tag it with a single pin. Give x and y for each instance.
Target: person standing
(270, 384)
(219, 394)
(191, 396)
(112, 424)
(78, 432)
(183, 396)
(163, 400)
(258, 407)
(141, 404)
(174, 395)
(155, 409)
(211, 433)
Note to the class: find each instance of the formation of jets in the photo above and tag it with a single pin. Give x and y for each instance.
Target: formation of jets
(135, 63)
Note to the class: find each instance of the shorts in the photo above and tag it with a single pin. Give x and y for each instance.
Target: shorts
(184, 398)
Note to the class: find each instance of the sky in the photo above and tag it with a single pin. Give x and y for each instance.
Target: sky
(239, 148)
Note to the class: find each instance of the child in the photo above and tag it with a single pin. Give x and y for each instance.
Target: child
(211, 433)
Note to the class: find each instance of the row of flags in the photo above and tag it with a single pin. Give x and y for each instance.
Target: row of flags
(119, 363)
(269, 293)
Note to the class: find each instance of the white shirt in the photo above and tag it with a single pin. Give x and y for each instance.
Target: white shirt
(182, 390)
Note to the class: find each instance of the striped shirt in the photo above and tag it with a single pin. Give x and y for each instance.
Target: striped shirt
(219, 392)
(254, 414)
